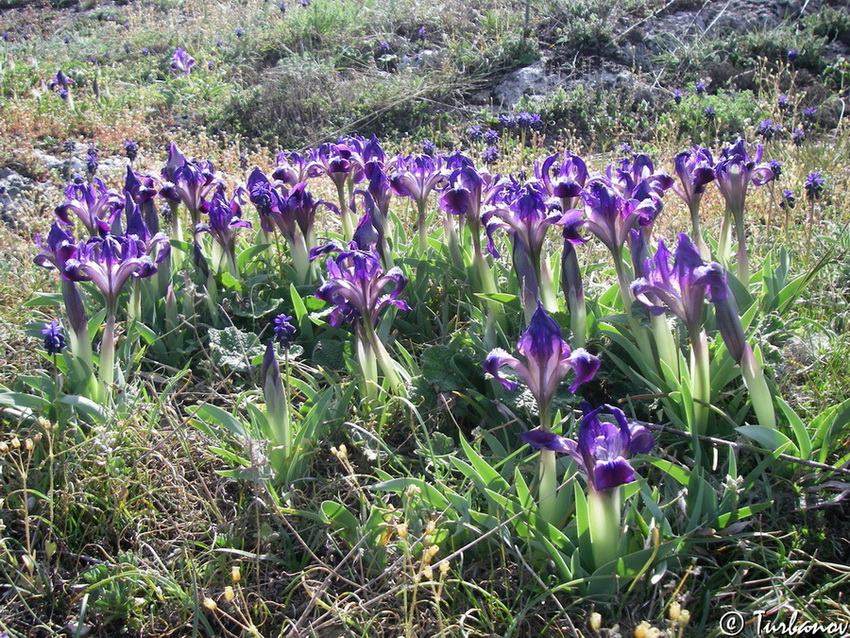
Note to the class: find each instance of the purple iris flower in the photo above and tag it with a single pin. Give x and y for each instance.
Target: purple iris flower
(291, 168)
(637, 179)
(603, 447)
(814, 186)
(564, 180)
(188, 182)
(358, 288)
(54, 338)
(695, 169)
(734, 172)
(415, 176)
(464, 193)
(142, 190)
(151, 243)
(60, 82)
(96, 206)
(181, 61)
(284, 331)
(372, 151)
(379, 188)
(680, 287)
(526, 215)
(60, 247)
(109, 262)
(610, 216)
(225, 218)
(548, 359)
(267, 200)
(458, 160)
(736, 169)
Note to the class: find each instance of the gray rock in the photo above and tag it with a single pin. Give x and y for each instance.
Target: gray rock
(14, 183)
(531, 80)
(425, 59)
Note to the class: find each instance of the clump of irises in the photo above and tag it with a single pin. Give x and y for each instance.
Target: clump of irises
(548, 359)
(108, 242)
(358, 291)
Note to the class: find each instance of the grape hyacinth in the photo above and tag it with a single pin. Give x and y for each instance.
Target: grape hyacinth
(54, 338)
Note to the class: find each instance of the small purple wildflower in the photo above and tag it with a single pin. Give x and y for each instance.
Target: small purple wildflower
(422, 33)
(814, 186)
(491, 155)
(428, 147)
(767, 129)
(810, 113)
(474, 133)
(788, 199)
(776, 167)
(508, 121)
(491, 136)
(792, 55)
(54, 338)
(798, 137)
(783, 103)
(530, 121)
(699, 88)
(145, 51)
(131, 148)
(710, 113)
(284, 331)
(678, 95)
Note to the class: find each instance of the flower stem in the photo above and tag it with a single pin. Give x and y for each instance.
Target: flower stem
(421, 227)
(760, 395)
(604, 512)
(700, 381)
(347, 223)
(107, 356)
